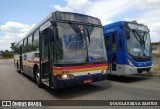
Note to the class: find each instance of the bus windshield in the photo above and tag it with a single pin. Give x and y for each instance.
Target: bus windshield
(96, 46)
(79, 44)
(139, 43)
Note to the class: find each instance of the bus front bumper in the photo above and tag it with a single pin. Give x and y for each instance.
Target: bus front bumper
(77, 80)
(137, 70)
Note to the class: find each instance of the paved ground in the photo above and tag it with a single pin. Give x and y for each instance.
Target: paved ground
(14, 86)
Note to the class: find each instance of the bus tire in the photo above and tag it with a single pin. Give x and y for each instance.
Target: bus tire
(38, 79)
(18, 70)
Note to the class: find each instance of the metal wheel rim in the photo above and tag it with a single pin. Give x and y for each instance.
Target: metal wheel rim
(37, 77)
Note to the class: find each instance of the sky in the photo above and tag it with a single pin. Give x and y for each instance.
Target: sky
(17, 17)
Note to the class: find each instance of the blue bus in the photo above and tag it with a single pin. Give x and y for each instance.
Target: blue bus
(128, 47)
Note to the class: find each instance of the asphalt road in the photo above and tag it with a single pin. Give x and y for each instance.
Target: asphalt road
(15, 86)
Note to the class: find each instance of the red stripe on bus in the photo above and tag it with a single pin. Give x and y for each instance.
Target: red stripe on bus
(79, 67)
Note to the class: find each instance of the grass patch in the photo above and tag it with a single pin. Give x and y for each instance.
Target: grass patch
(156, 67)
(5, 58)
(156, 70)
(156, 58)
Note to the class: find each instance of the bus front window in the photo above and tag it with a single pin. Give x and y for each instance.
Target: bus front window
(139, 44)
(79, 44)
(72, 48)
(96, 46)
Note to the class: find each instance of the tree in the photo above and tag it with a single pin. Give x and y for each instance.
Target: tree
(7, 54)
(1, 52)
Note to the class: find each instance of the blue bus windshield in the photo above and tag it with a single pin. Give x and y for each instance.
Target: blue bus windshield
(139, 43)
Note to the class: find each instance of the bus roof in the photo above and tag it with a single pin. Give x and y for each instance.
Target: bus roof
(113, 24)
(68, 16)
(120, 23)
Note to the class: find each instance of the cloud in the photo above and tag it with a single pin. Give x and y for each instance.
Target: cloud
(79, 4)
(59, 8)
(149, 16)
(144, 11)
(152, 23)
(97, 8)
(114, 10)
(150, 4)
(74, 5)
(12, 32)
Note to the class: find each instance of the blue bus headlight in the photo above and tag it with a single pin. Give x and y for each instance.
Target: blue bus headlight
(130, 63)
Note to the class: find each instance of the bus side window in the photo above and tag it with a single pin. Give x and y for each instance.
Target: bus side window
(120, 46)
(113, 42)
(36, 40)
(107, 42)
(16, 51)
(24, 45)
(29, 45)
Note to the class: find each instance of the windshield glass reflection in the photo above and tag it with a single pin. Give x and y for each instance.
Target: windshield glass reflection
(79, 44)
(139, 43)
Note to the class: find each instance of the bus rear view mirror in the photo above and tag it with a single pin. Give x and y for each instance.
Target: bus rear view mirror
(127, 34)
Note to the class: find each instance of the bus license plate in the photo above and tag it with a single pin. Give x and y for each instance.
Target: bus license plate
(87, 81)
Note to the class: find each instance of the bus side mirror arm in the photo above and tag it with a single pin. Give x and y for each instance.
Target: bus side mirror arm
(53, 22)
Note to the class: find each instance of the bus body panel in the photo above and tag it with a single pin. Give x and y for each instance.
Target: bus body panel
(82, 79)
(29, 61)
(34, 46)
(81, 74)
(115, 55)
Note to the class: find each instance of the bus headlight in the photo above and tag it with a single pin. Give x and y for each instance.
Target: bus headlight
(67, 76)
(64, 76)
(130, 63)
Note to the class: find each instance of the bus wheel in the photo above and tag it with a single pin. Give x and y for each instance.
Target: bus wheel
(18, 70)
(38, 79)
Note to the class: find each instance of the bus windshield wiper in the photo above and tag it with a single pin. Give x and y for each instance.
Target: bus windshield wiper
(143, 38)
(140, 40)
(89, 33)
(75, 29)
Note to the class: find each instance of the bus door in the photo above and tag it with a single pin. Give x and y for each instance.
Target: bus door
(114, 46)
(110, 41)
(45, 63)
(113, 51)
(20, 57)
